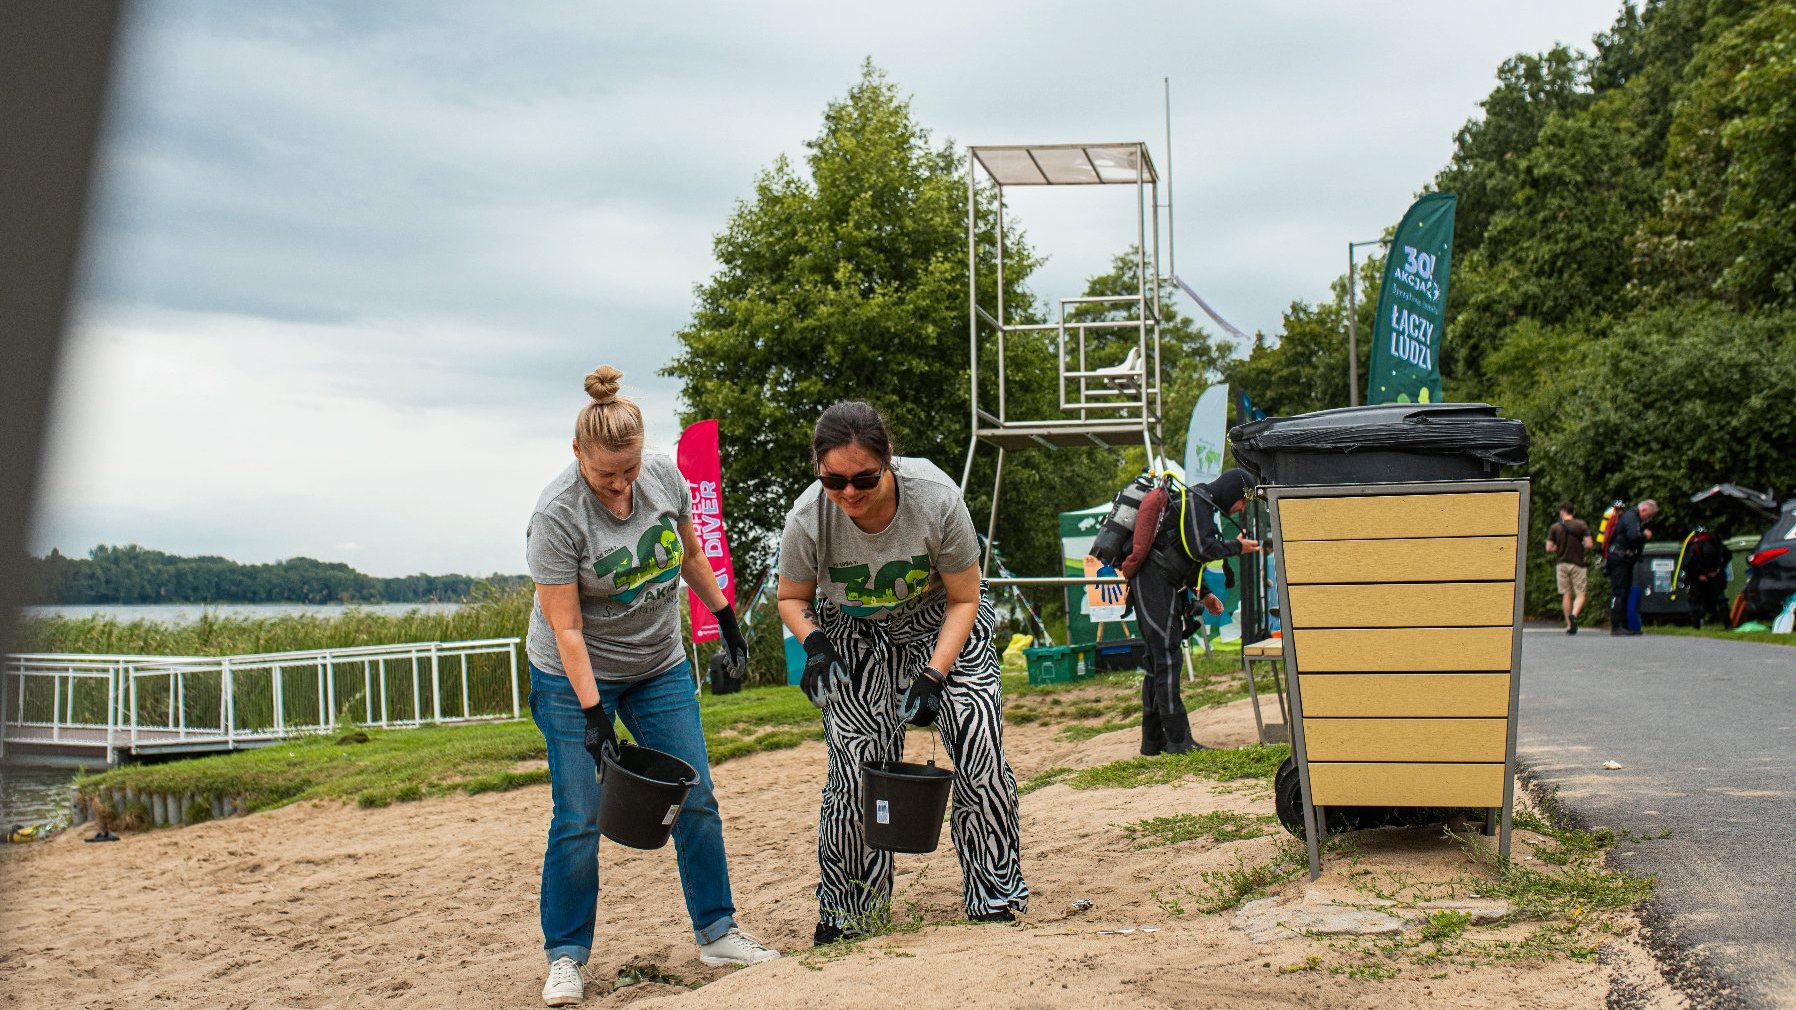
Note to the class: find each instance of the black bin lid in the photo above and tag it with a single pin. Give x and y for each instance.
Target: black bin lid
(1470, 429)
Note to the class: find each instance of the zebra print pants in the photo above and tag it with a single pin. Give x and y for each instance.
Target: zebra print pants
(860, 723)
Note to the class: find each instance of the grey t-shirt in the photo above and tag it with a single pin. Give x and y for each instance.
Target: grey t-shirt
(876, 575)
(628, 570)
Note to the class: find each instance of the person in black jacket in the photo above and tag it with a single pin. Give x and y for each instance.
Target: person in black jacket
(1705, 560)
(1624, 546)
(1159, 588)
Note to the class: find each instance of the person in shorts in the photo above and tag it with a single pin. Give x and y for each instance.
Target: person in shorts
(1567, 540)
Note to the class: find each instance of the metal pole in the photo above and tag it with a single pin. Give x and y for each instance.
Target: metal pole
(966, 474)
(511, 652)
(1057, 580)
(1172, 246)
(1002, 322)
(280, 703)
(991, 530)
(330, 686)
(464, 685)
(111, 713)
(1353, 321)
(436, 687)
(230, 688)
(1352, 333)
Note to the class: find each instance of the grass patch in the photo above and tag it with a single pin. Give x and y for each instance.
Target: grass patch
(885, 917)
(489, 613)
(640, 970)
(1256, 761)
(1764, 637)
(1573, 902)
(377, 768)
(1080, 732)
(1219, 826)
(1042, 780)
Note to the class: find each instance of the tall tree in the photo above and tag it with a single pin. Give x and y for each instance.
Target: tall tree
(848, 280)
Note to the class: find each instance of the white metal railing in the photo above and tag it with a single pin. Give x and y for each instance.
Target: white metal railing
(135, 701)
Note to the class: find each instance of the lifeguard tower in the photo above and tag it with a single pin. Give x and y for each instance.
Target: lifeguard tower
(1108, 384)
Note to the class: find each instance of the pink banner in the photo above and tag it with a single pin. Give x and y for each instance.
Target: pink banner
(703, 470)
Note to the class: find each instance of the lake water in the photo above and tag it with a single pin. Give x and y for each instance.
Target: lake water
(187, 613)
(30, 795)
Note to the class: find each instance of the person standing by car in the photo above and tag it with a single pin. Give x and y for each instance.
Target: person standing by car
(1567, 540)
(1705, 560)
(879, 578)
(1625, 544)
(609, 541)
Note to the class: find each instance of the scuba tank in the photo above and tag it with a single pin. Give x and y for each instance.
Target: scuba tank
(1606, 527)
(1116, 534)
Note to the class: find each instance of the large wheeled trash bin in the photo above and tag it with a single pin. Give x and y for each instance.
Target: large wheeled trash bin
(1401, 602)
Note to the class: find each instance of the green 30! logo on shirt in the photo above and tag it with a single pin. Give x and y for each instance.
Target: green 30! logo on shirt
(897, 582)
(657, 559)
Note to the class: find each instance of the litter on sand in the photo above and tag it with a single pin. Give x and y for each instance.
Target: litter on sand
(1610, 766)
(1082, 905)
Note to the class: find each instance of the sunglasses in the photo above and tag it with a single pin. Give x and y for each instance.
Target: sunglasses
(861, 481)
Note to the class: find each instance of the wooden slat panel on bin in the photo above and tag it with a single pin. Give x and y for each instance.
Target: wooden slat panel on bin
(1351, 784)
(1372, 517)
(1405, 739)
(1402, 650)
(1442, 695)
(1435, 559)
(1404, 605)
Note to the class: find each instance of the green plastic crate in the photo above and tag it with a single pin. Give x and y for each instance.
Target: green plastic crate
(1059, 664)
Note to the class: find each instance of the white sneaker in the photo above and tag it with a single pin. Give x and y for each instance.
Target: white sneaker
(565, 987)
(735, 947)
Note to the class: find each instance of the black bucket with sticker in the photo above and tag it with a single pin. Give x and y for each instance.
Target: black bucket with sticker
(641, 791)
(902, 805)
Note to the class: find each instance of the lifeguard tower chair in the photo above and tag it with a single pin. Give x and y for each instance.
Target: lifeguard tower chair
(1108, 394)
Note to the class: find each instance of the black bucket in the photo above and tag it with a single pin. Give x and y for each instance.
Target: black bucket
(902, 805)
(641, 791)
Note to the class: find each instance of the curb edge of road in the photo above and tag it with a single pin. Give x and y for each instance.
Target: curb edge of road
(1682, 965)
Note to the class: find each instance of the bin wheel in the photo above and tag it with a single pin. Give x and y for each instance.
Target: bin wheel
(1287, 795)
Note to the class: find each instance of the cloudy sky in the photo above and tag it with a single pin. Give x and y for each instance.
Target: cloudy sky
(350, 261)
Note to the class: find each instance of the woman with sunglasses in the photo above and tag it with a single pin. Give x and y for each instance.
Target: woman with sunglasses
(879, 578)
(609, 542)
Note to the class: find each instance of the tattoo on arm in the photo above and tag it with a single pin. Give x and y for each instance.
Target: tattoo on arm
(810, 613)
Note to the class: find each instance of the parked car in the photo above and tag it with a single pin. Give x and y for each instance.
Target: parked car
(1771, 566)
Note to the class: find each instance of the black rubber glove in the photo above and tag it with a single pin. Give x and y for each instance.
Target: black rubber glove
(735, 647)
(823, 668)
(923, 703)
(601, 736)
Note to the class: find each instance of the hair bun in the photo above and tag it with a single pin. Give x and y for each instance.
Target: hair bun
(602, 383)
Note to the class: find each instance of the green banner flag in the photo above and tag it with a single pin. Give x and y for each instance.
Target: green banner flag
(1412, 305)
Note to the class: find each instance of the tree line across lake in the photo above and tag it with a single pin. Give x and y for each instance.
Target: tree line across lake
(134, 574)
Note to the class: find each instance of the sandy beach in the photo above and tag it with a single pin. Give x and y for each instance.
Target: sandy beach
(432, 904)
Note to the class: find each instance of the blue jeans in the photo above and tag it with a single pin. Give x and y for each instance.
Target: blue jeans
(660, 712)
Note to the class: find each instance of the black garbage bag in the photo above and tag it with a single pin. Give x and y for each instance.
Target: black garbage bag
(1381, 443)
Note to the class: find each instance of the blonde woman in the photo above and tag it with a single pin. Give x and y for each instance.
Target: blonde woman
(609, 542)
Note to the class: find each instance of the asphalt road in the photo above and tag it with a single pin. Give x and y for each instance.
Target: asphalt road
(1705, 732)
